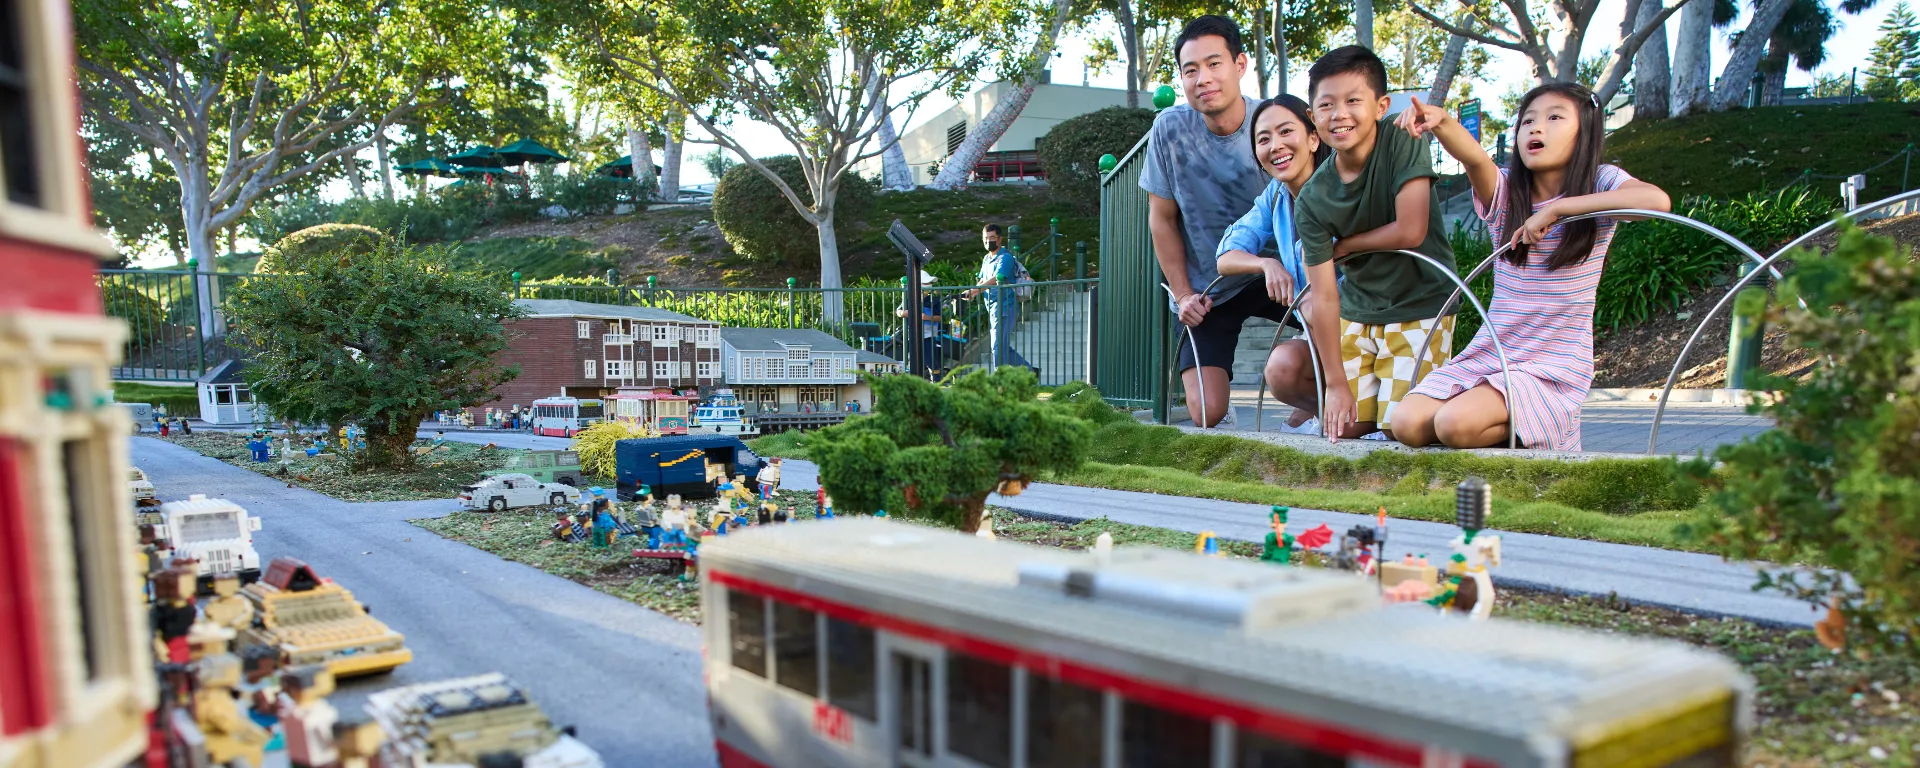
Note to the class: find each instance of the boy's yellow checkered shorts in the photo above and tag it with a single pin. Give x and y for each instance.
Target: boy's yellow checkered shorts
(1385, 361)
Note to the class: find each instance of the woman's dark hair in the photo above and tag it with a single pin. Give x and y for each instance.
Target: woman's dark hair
(1300, 110)
(1576, 238)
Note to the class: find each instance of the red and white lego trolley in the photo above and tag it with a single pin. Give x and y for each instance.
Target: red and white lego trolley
(865, 642)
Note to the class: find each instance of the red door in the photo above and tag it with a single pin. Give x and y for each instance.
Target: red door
(25, 701)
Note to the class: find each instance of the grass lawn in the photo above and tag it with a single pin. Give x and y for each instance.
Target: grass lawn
(1758, 150)
(437, 476)
(180, 401)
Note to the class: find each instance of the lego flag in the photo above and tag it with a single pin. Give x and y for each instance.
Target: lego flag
(1315, 537)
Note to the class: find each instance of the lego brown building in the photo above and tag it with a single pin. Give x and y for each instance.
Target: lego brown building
(585, 350)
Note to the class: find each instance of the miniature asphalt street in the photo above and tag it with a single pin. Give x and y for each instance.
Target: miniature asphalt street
(627, 677)
(1685, 580)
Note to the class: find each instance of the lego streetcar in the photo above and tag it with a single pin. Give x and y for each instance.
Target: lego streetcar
(860, 641)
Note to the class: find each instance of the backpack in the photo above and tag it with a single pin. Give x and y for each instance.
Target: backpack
(1022, 280)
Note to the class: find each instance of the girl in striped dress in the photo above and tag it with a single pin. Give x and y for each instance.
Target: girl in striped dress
(1543, 287)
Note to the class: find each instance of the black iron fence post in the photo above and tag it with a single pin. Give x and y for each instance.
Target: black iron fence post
(1080, 260)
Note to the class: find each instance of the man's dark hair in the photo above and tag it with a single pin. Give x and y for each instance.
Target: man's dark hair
(1340, 61)
(1210, 24)
(994, 228)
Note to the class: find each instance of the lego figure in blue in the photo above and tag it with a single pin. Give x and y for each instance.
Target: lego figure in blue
(261, 448)
(999, 277)
(604, 526)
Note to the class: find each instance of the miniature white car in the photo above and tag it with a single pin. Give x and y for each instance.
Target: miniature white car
(500, 493)
(216, 533)
(453, 723)
(142, 487)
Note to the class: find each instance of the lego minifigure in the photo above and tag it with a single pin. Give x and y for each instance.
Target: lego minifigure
(766, 513)
(1279, 545)
(826, 506)
(229, 735)
(604, 526)
(358, 737)
(166, 427)
(1473, 552)
(564, 528)
(227, 608)
(770, 478)
(173, 613)
(1206, 544)
(260, 686)
(307, 717)
(185, 428)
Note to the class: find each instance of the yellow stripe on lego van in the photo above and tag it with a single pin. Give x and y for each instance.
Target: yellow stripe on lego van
(1660, 736)
(683, 458)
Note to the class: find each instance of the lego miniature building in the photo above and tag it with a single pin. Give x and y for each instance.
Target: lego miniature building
(777, 370)
(586, 350)
(76, 674)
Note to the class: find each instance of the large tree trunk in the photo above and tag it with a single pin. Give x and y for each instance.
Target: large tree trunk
(197, 221)
(832, 303)
(1692, 60)
(1130, 39)
(391, 449)
(1737, 78)
(894, 173)
(958, 167)
(386, 163)
(1280, 47)
(670, 160)
(1449, 63)
(1260, 53)
(1774, 69)
(1363, 22)
(1651, 75)
(640, 153)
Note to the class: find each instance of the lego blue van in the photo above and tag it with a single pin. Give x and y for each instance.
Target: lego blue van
(678, 464)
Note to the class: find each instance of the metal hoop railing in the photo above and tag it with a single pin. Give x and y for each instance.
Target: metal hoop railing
(1506, 374)
(1200, 374)
(1673, 376)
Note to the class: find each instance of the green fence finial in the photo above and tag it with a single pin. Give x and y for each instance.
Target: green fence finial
(1107, 162)
(903, 281)
(1163, 97)
(791, 282)
(516, 277)
(652, 281)
(193, 264)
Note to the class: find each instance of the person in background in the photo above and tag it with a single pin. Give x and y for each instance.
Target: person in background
(929, 326)
(1543, 289)
(1200, 177)
(998, 271)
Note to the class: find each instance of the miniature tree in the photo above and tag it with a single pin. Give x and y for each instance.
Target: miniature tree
(1836, 484)
(936, 453)
(382, 337)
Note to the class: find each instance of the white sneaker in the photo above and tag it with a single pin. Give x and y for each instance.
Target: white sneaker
(1375, 436)
(1308, 427)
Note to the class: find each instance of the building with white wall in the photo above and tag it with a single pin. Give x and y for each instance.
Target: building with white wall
(1012, 157)
(788, 371)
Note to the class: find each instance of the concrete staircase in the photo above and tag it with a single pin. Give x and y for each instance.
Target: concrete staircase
(1053, 332)
(1250, 355)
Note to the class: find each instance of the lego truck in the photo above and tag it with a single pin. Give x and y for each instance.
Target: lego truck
(678, 464)
(459, 722)
(310, 620)
(215, 533)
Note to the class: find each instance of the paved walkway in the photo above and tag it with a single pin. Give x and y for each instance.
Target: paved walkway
(627, 677)
(1684, 580)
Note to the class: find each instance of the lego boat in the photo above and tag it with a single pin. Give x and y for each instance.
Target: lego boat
(723, 415)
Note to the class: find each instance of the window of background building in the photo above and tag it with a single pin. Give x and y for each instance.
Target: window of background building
(662, 333)
(590, 365)
(823, 369)
(686, 370)
(1151, 737)
(851, 678)
(580, 329)
(980, 710)
(796, 648)
(706, 370)
(747, 631)
(90, 574)
(18, 163)
(1063, 724)
(660, 370)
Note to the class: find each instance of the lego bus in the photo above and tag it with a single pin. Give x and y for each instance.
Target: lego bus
(566, 416)
(864, 642)
(662, 410)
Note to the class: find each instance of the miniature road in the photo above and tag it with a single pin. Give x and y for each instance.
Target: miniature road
(627, 677)
(1684, 580)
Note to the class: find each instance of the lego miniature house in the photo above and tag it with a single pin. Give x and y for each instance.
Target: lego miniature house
(586, 350)
(76, 677)
(797, 371)
(225, 398)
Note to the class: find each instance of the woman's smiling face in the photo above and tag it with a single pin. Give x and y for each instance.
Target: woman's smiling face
(1283, 145)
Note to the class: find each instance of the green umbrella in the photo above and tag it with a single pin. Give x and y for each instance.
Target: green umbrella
(528, 151)
(478, 157)
(431, 166)
(498, 173)
(621, 168)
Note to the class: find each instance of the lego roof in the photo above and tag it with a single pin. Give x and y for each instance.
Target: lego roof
(571, 308)
(865, 356)
(1303, 648)
(689, 442)
(778, 339)
(227, 372)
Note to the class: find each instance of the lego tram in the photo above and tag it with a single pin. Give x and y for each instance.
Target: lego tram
(566, 416)
(864, 642)
(659, 409)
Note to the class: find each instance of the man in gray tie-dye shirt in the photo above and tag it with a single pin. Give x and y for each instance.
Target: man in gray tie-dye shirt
(1201, 175)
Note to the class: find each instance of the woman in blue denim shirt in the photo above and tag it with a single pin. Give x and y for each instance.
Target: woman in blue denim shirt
(1263, 241)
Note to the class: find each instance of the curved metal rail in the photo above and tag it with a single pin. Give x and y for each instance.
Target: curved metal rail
(1673, 376)
(1195, 345)
(1506, 374)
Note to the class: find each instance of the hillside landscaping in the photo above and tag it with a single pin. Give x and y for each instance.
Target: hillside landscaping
(1728, 154)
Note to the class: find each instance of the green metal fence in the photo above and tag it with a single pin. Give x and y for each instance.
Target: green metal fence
(162, 310)
(1131, 345)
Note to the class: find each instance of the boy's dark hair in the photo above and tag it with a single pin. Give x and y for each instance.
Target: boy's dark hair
(1583, 168)
(1340, 61)
(1210, 24)
(1300, 111)
(995, 229)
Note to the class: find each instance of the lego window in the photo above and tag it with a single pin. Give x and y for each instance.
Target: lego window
(980, 710)
(1064, 724)
(747, 631)
(581, 330)
(796, 648)
(823, 369)
(686, 370)
(91, 576)
(851, 669)
(1151, 737)
(662, 332)
(706, 370)
(17, 155)
(1258, 750)
(591, 365)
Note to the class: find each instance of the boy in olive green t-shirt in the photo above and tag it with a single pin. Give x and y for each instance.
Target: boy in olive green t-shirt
(1377, 195)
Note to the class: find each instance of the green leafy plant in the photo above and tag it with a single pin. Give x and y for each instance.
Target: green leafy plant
(382, 339)
(143, 314)
(762, 225)
(1071, 151)
(293, 252)
(935, 453)
(1836, 484)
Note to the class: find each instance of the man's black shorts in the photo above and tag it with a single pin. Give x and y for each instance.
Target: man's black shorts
(1219, 333)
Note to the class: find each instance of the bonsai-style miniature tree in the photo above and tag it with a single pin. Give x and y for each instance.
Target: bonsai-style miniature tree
(382, 337)
(1836, 484)
(936, 453)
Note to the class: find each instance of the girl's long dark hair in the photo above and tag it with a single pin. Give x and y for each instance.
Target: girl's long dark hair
(1576, 239)
(1300, 110)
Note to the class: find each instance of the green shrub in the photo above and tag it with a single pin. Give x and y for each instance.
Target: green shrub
(535, 258)
(760, 223)
(595, 195)
(181, 402)
(1071, 151)
(292, 251)
(1470, 247)
(1837, 483)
